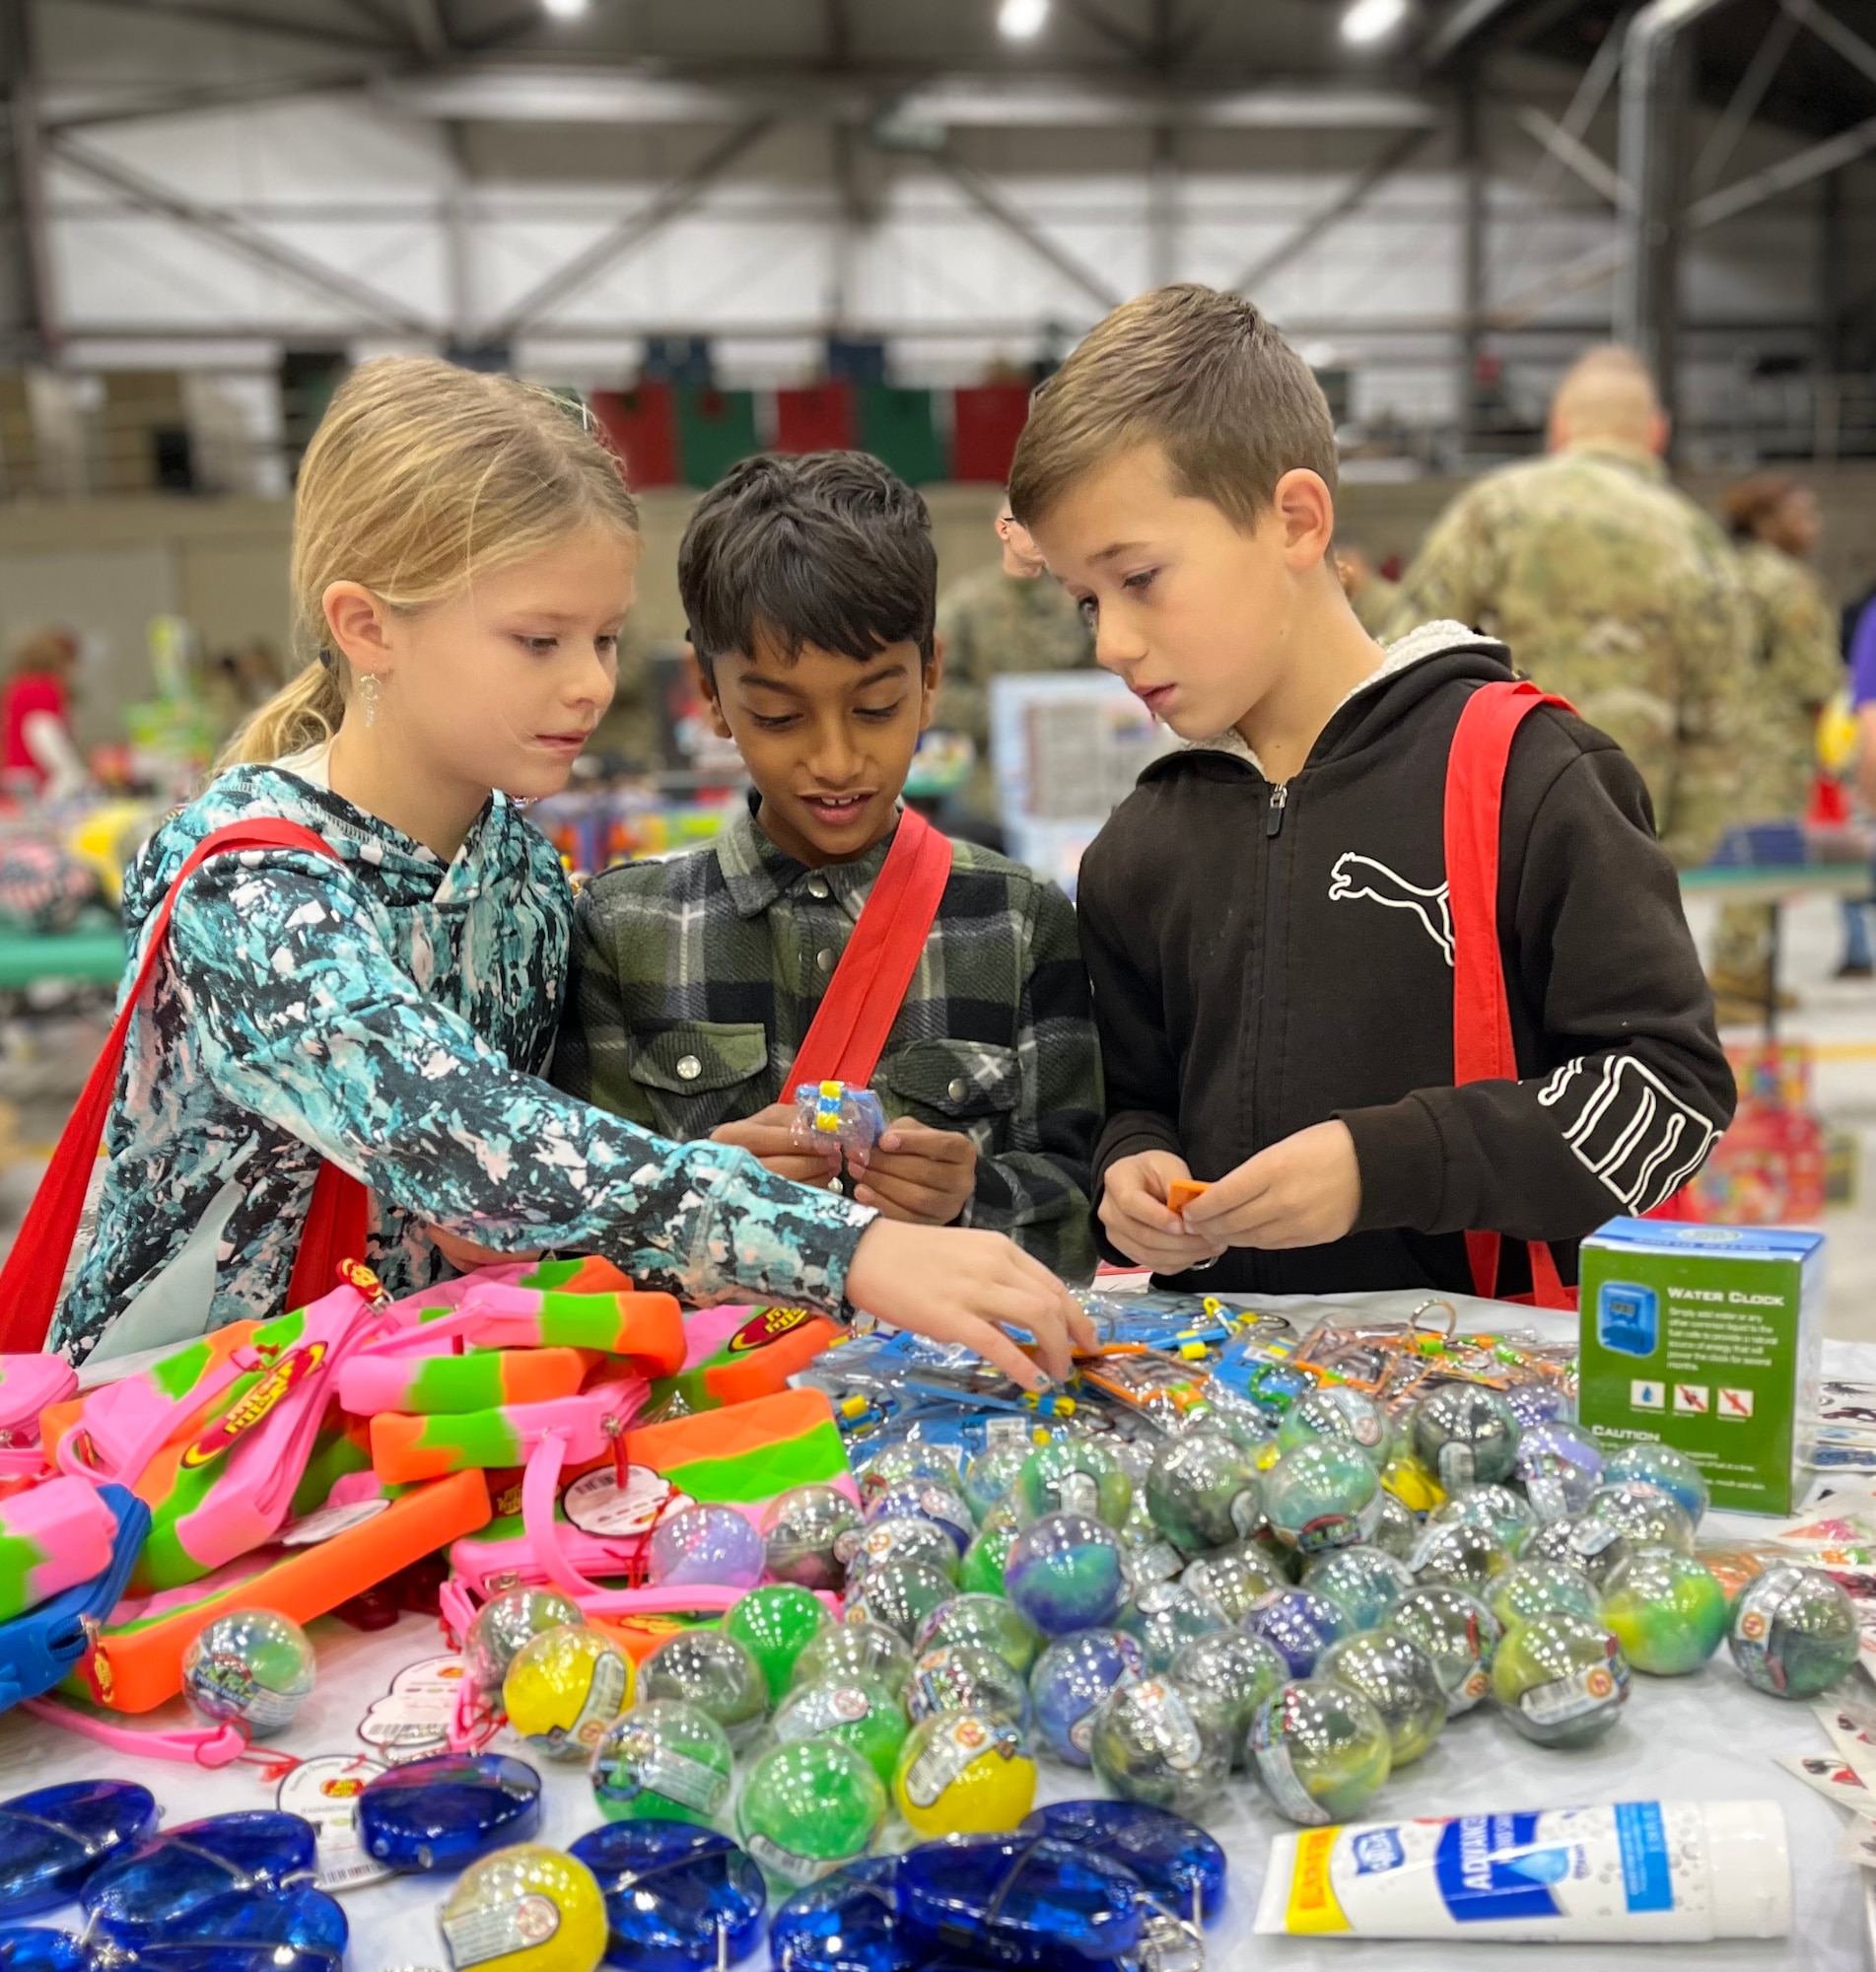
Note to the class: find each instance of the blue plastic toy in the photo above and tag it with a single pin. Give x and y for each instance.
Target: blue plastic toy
(38, 1649)
(52, 1840)
(1020, 1900)
(678, 1896)
(1175, 1859)
(444, 1812)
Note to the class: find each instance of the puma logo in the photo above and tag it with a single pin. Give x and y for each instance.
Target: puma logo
(1357, 876)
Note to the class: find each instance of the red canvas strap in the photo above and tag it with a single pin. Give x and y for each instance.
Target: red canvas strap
(35, 1267)
(849, 1032)
(1482, 1047)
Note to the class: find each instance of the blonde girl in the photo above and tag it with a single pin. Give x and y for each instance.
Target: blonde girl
(463, 555)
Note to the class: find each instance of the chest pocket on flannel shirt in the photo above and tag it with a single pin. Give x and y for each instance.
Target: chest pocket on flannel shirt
(697, 1074)
(966, 1085)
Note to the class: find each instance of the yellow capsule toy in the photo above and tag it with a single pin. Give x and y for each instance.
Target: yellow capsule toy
(565, 1688)
(1413, 1484)
(526, 1909)
(964, 1773)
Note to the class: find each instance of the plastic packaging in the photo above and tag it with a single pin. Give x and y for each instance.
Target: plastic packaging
(1637, 1872)
(831, 1115)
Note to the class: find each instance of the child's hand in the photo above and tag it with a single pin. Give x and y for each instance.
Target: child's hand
(464, 1256)
(1134, 1210)
(957, 1286)
(917, 1173)
(1302, 1192)
(769, 1137)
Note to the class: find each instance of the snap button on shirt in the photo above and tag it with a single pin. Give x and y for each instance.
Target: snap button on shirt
(689, 1068)
(826, 958)
(958, 1089)
(817, 888)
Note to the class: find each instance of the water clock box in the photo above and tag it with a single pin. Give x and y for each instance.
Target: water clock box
(1706, 1338)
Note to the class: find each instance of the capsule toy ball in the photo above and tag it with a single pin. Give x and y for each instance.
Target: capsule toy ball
(505, 1625)
(1558, 1465)
(1497, 1508)
(712, 1545)
(1459, 1635)
(855, 1649)
(1364, 1583)
(927, 1500)
(1474, 1557)
(1536, 1588)
(1168, 1616)
(1794, 1632)
(898, 1538)
(251, 1666)
(990, 1478)
(1240, 1669)
(1561, 1681)
(1466, 1435)
(1397, 1678)
(1235, 1578)
(1665, 1469)
(1066, 1572)
(713, 1671)
(857, 1710)
(1666, 1610)
(775, 1625)
(1162, 1743)
(1322, 1494)
(1320, 1749)
(809, 1806)
(663, 1761)
(988, 1620)
(982, 1570)
(967, 1678)
(1070, 1678)
(564, 1689)
(1202, 1492)
(525, 1909)
(1298, 1625)
(802, 1532)
(900, 1594)
(963, 1773)
(1073, 1475)
(1337, 1411)
(1641, 1514)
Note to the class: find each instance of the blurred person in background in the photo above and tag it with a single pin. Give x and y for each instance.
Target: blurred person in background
(1795, 667)
(1613, 589)
(1860, 962)
(42, 760)
(1373, 595)
(996, 621)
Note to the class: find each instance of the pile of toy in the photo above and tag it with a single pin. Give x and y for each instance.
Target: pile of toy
(806, 1608)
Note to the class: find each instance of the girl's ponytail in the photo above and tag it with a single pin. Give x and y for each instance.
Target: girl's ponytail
(306, 713)
(421, 476)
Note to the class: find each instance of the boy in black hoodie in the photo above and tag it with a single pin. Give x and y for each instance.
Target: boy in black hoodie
(1266, 917)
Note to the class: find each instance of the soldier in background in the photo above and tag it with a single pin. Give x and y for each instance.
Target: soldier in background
(1001, 619)
(1611, 589)
(1373, 595)
(1795, 667)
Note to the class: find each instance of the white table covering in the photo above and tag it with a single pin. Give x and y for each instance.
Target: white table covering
(1708, 1736)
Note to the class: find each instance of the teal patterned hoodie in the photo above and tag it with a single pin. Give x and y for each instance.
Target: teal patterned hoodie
(392, 1014)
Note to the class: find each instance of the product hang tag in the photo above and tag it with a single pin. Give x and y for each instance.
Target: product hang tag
(324, 1791)
(325, 1521)
(412, 1721)
(596, 1503)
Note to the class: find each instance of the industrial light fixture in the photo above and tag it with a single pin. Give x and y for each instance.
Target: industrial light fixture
(1364, 22)
(565, 9)
(1021, 20)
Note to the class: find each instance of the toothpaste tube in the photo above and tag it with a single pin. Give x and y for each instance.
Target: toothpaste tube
(1641, 1871)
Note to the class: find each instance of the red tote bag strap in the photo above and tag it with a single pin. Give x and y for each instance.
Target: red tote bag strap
(35, 1267)
(1482, 1046)
(848, 1034)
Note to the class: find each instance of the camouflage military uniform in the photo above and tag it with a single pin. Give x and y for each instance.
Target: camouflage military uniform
(994, 625)
(1616, 592)
(1795, 667)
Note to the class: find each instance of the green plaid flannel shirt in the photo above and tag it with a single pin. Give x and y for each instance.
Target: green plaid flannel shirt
(694, 980)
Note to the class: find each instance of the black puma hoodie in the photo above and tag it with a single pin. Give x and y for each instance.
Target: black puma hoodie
(1265, 958)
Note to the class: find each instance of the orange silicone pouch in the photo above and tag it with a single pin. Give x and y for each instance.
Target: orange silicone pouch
(136, 1669)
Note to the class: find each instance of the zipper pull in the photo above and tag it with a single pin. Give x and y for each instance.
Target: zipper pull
(1278, 802)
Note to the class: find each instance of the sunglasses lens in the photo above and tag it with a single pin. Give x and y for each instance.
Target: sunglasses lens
(149, 1889)
(52, 1840)
(444, 1813)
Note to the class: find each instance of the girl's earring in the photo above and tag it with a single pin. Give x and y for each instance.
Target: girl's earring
(369, 688)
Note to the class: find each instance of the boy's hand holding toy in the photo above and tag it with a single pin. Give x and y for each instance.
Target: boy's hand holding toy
(1140, 1222)
(1304, 1191)
(917, 1173)
(769, 1137)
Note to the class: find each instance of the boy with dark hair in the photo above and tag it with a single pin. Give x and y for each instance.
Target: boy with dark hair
(809, 585)
(1289, 927)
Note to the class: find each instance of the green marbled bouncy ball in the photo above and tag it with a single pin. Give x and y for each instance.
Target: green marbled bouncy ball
(1563, 1681)
(1666, 1610)
(1320, 1749)
(1536, 1588)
